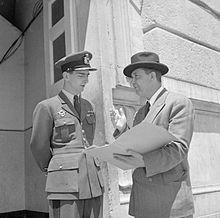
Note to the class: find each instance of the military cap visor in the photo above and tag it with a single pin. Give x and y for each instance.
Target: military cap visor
(76, 62)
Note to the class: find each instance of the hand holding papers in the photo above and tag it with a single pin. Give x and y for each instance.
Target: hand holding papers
(132, 158)
(142, 138)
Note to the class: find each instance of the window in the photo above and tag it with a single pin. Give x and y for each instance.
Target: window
(59, 51)
(59, 35)
(65, 27)
(57, 11)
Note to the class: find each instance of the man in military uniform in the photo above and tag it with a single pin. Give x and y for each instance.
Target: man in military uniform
(63, 126)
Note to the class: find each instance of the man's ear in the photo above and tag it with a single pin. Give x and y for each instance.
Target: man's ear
(65, 76)
(153, 75)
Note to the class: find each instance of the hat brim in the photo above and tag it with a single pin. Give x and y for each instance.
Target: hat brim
(149, 65)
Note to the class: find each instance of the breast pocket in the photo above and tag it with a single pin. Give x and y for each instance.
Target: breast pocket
(88, 125)
(63, 174)
(64, 129)
(90, 117)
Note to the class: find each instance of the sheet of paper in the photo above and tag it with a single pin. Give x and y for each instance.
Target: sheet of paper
(106, 152)
(143, 138)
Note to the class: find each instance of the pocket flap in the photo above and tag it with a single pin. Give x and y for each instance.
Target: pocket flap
(63, 121)
(64, 163)
(64, 181)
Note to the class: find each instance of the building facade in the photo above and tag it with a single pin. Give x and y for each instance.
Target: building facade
(185, 33)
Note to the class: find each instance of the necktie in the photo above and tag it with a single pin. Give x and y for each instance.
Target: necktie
(77, 104)
(141, 114)
(146, 108)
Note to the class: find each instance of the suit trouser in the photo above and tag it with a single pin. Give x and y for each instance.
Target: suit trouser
(86, 208)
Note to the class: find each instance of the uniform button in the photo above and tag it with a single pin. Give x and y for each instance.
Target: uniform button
(150, 179)
(61, 167)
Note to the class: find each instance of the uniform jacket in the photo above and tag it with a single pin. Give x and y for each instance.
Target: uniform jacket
(58, 139)
(167, 168)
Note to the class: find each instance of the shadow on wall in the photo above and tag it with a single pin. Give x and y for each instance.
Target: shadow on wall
(7, 10)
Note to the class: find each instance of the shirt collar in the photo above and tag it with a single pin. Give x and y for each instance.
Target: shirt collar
(154, 97)
(68, 95)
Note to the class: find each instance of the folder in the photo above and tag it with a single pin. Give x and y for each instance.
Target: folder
(144, 137)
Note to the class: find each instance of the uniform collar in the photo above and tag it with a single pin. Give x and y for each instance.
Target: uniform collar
(67, 105)
(68, 95)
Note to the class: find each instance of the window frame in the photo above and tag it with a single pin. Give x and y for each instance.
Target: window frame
(67, 24)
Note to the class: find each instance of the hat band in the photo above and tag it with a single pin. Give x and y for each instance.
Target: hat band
(71, 66)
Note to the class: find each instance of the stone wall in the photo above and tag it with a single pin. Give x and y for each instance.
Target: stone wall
(12, 183)
(23, 84)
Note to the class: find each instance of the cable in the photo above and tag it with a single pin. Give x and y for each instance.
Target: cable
(38, 7)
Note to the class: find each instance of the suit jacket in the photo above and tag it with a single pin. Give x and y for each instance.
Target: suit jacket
(58, 139)
(165, 181)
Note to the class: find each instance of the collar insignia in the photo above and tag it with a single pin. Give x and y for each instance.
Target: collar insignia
(61, 113)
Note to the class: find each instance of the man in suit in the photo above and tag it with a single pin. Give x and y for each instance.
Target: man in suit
(161, 186)
(63, 126)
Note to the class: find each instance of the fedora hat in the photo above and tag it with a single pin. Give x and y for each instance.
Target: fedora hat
(147, 60)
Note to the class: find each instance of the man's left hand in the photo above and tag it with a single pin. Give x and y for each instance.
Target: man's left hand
(131, 158)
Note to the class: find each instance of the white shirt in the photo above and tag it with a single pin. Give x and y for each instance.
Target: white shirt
(68, 95)
(155, 95)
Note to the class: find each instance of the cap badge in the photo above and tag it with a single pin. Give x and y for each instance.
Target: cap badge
(86, 59)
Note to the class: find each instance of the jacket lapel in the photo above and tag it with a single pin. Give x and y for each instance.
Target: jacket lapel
(157, 106)
(67, 105)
